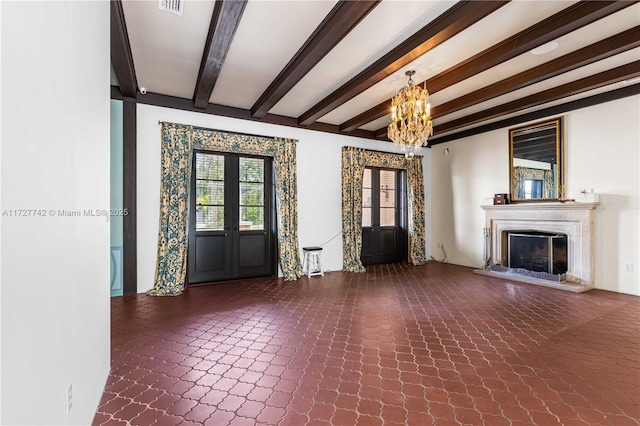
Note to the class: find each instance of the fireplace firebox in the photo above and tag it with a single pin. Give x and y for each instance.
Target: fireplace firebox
(538, 251)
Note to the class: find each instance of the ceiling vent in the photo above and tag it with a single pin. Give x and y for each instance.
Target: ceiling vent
(171, 6)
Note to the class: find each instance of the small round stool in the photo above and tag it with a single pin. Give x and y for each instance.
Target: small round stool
(311, 264)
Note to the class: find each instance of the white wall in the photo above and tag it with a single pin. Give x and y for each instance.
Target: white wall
(319, 181)
(460, 182)
(55, 155)
(601, 153)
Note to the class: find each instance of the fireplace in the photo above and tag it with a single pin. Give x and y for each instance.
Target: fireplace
(537, 251)
(563, 230)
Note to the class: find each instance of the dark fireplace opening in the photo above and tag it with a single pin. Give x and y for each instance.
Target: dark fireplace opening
(537, 251)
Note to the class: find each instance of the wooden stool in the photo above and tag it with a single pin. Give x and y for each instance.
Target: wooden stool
(311, 264)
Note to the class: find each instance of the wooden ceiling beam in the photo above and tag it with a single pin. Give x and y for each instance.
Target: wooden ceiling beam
(121, 57)
(381, 134)
(368, 116)
(343, 18)
(563, 22)
(615, 75)
(224, 23)
(587, 55)
(570, 19)
(184, 104)
(612, 95)
(459, 17)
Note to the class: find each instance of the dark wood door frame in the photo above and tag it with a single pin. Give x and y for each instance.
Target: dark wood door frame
(129, 194)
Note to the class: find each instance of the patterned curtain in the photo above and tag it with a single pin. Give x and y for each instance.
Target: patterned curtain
(174, 206)
(287, 206)
(416, 207)
(178, 141)
(517, 180)
(549, 184)
(354, 161)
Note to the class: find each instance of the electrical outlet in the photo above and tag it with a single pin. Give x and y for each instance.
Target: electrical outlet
(69, 398)
(628, 267)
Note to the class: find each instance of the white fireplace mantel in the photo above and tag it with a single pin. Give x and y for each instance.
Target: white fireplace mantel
(577, 220)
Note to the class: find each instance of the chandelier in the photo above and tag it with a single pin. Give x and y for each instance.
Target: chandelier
(410, 125)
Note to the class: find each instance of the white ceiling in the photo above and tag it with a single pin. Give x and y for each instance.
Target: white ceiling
(167, 51)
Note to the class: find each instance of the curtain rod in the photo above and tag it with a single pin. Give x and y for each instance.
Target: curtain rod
(226, 131)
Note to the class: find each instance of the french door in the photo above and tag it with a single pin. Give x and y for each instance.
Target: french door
(231, 216)
(383, 216)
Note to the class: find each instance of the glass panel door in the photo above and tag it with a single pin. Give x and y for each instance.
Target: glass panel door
(383, 216)
(232, 218)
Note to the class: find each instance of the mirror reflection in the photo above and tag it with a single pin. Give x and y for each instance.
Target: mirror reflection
(535, 161)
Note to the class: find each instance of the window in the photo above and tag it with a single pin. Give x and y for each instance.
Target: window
(367, 200)
(379, 197)
(209, 191)
(251, 179)
(388, 197)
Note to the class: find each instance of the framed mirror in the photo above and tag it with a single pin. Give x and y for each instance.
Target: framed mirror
(535, 162)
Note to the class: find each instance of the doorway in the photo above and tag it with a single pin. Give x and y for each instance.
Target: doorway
(383, 216)
(231, 217)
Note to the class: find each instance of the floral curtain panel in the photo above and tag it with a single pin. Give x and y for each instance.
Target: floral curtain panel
(415, 205)
(354, 161)
(171, 265)
(178, 142)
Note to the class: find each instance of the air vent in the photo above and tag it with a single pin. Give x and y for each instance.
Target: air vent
(171, 6)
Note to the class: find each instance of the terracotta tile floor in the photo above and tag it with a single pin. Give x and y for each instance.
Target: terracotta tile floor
(398, 345)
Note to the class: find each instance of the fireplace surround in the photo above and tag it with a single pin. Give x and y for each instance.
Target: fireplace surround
(576, 220)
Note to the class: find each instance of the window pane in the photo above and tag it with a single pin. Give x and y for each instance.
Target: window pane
(251, 194)
(387, 197)
(251, 218)
(209, 166)
(251, 176)
(209, 192)
(366, 179)
(366, 198)
(210, 217)
(366, 216)
(251, 169)
(387, 216)
(387, 188)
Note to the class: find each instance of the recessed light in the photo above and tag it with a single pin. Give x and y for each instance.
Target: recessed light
(545, 48)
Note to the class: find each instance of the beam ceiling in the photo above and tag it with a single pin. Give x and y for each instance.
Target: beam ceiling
(224, 23)
(562, 23)
(345, 15)
(458, 18)
(332, 67)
